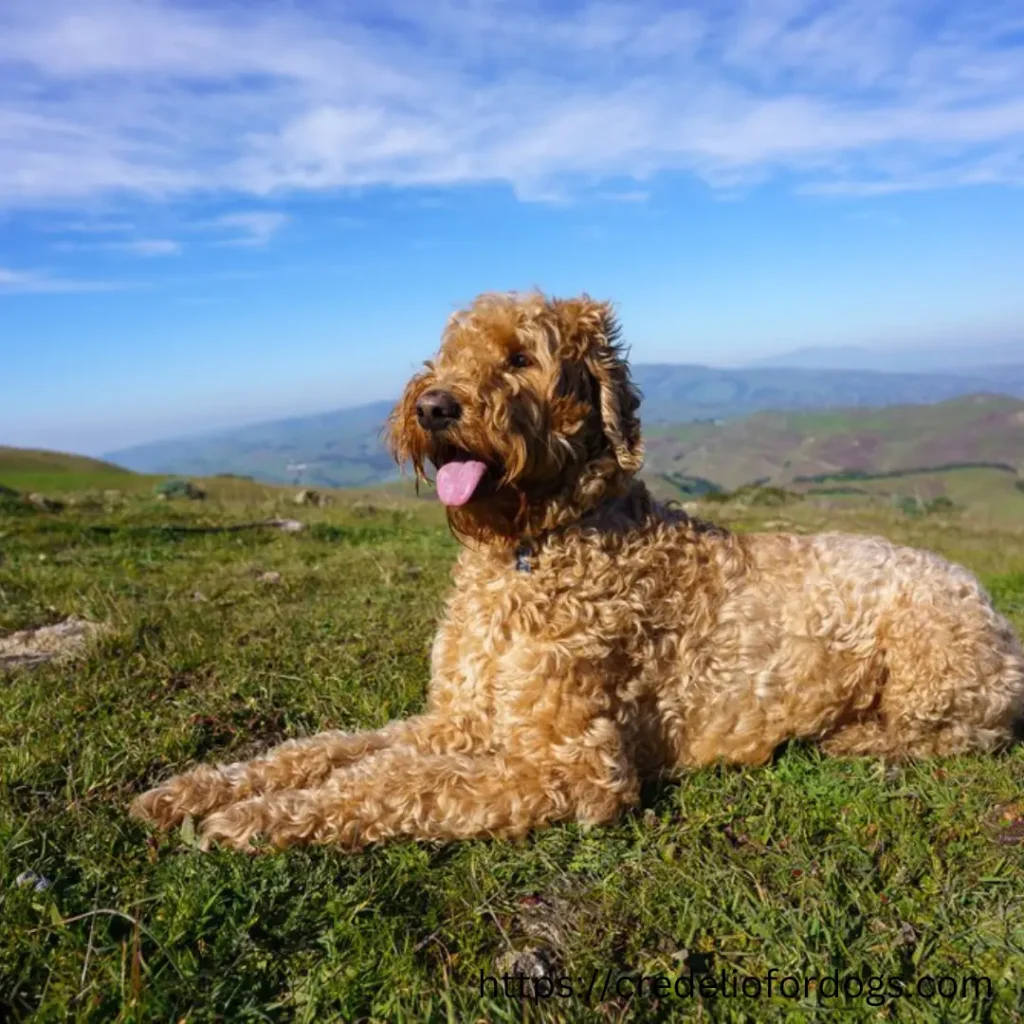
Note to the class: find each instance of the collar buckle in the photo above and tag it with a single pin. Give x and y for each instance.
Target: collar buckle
(523, 553)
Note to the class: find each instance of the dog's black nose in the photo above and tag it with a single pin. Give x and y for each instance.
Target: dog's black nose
(437, 410)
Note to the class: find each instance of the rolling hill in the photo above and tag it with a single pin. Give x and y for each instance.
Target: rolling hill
(787, 448)
(343, 448)
(26, 469)
(968, 451)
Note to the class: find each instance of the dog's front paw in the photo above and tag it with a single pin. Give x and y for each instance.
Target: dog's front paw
(236, 827)
(161, 806)
(197, 793)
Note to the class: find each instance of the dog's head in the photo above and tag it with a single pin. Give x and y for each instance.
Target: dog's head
(527, 413)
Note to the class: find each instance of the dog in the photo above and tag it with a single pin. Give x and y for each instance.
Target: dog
(595, 638)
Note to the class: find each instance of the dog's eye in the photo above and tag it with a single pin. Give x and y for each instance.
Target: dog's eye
(519, 360)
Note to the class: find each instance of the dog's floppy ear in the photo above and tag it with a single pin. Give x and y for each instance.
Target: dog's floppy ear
(593, 335)
(400, 434)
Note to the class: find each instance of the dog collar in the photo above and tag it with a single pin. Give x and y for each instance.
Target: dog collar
(523, 553)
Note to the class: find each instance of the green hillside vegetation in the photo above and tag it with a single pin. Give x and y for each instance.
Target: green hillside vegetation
(808, 865)
(970, 451)
(87, 481)
(25, 469)
(859, 475)
(787, 447)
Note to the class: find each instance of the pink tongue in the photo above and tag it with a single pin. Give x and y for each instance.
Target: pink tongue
(456, 481)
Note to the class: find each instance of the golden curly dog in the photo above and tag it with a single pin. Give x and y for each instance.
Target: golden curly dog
(594, 638)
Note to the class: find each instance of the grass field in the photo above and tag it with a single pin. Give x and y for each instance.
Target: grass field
(808, 867)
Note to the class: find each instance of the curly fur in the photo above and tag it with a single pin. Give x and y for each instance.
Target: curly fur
(641, 642)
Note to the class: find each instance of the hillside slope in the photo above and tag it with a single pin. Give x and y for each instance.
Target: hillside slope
(344, 448)
(785, 447)
(27, 469)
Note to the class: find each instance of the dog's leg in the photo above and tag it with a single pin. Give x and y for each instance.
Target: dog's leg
(402, 793)
(297, 764)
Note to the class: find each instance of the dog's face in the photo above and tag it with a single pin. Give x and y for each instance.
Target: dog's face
(525, 396)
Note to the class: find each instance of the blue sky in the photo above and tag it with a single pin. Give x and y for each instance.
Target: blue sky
(218, 212)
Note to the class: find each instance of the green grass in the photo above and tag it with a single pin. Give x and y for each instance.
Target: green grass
(27, 470)
(809, 866)
(982, 495)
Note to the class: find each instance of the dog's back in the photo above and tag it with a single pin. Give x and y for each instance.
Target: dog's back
(865, 645)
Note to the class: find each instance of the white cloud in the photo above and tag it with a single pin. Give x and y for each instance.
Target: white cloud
(251, 228)
(152, 247)
(24, 282)
(88, 227)
(170, 98)
(146, 247)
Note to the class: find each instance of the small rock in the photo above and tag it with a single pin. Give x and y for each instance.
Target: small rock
(531, 964)
(179, 489)
(44, 504)
(305, 497)
(62, 640)
(311, 497)
(288, 525)
(88, 500)
(38, 882)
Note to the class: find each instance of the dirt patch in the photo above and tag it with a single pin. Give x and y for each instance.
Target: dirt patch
(59, 642)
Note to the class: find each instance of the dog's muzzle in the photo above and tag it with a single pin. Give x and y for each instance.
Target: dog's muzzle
(437, 410)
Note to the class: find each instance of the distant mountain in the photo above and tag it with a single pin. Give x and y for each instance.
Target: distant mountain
(941, 360)
(344, 448)
(331, 449)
